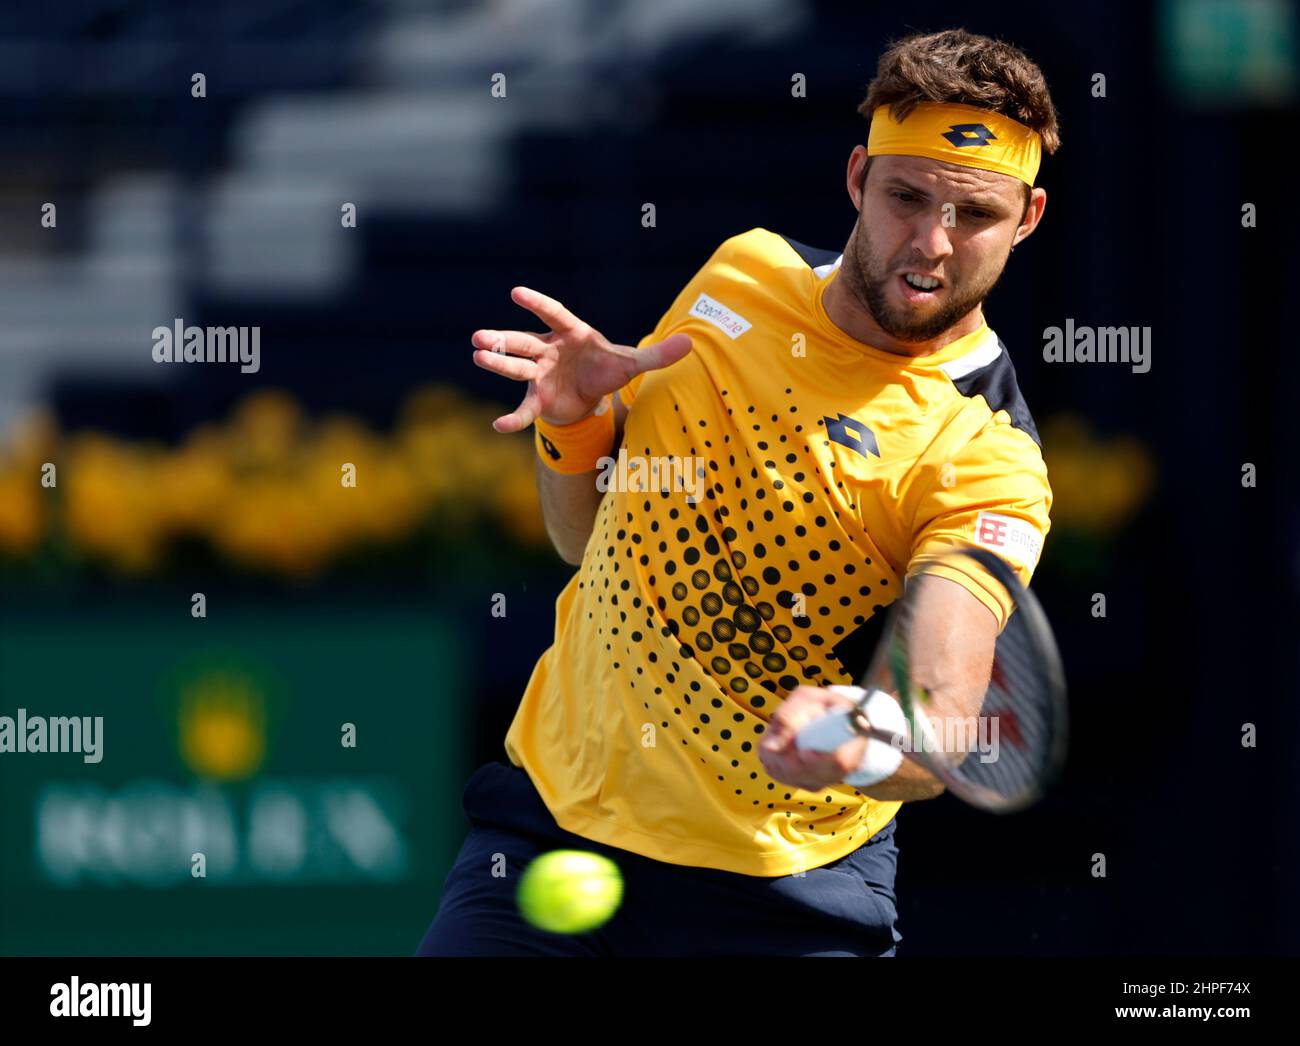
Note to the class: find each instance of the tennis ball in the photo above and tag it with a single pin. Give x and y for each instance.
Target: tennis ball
(570, 891)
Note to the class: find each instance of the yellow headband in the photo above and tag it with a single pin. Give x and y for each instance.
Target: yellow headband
(958, 134)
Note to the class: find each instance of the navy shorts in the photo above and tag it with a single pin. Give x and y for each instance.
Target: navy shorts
(845, 908)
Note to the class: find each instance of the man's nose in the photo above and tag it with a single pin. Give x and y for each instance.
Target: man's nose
(931, 237)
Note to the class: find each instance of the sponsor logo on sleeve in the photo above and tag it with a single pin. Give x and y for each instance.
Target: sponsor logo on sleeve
(1012, 538)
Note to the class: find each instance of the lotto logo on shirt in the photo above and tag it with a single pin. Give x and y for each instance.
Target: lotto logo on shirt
(1011, 538)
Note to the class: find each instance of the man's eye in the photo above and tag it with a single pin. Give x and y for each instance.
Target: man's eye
(979, 215)
(906, 197)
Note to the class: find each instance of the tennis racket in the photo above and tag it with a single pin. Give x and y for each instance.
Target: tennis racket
(999, 752)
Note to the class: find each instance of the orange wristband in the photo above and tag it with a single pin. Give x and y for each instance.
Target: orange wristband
(577, 447)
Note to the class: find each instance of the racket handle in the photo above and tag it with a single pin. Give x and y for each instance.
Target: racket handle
(829, 732)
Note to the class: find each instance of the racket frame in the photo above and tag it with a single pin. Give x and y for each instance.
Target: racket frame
(1049, 663)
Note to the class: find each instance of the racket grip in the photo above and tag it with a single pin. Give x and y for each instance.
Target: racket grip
(828, 733)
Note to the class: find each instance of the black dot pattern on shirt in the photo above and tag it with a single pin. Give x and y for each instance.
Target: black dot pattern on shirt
(720, 602)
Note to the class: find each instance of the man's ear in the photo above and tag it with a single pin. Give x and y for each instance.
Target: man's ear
(856, 181)
(1033, 215)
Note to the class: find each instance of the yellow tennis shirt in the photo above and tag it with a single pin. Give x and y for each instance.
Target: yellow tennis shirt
(772, 492)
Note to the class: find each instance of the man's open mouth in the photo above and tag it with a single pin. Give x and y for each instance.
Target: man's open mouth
(922, 283)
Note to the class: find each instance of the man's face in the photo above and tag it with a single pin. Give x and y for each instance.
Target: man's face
(931, 219)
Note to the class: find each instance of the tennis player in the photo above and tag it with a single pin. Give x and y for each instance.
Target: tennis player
(742, 494)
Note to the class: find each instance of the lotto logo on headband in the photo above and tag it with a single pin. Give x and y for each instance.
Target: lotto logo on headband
(949, 132)
(959, 132)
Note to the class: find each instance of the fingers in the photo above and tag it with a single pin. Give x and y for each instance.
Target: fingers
(802, 705)
(792, 768)
(506, 366)
(781, 729)
(813, 770)
(780, 753)
(848, 757)
(548, 310)
(662, 354)
(778, 736)
(521, 417)
(514, 343)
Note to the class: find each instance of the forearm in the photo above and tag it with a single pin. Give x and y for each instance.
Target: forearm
(569, 502)
(569, 505)
(951, 652)
(907, 784)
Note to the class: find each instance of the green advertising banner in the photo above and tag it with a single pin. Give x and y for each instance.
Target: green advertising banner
(282, 781)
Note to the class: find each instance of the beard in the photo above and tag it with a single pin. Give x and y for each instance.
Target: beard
(868, 281)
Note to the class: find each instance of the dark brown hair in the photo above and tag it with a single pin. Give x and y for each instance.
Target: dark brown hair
(964, 69)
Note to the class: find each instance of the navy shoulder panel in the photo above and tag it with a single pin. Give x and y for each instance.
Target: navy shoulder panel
(814, 256)
(996, 382)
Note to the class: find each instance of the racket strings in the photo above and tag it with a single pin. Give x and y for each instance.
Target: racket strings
(1019, 722)
(1002, 749)
(995, 742)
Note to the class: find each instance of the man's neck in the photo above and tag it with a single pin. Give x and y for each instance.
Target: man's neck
(855, 320)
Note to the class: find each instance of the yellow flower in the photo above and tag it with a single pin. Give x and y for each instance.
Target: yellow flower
(1097, 485)
(520, 510)
(34, 439)
(265, 429)
(268, 524)
(22, 511)
(194, 483)
(111, 501)
(265, 489)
